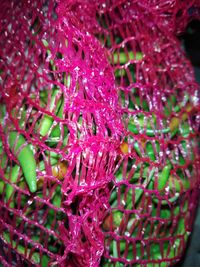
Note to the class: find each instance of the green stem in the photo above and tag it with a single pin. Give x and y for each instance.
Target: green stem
(149, 131)
(47, 120)
(165, 202)
(56, 132)
(115, 254)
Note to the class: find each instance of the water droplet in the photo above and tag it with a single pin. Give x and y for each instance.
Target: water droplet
(30, 202)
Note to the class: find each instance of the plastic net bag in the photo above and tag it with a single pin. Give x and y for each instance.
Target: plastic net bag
(156, 186)
(76, 182)
(60, 129)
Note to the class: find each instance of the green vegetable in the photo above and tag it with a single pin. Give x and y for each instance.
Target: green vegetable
(150, 151)
(123, 58)
(148, 131)
(2, 113)
(178, 184)
(3, 159)
(163, 177)
(9, 188)
(25, 157)
(115, 254)
(47, 120)
(56, 132)
(1, 186)
(137, 148)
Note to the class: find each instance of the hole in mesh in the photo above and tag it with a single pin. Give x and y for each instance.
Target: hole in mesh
(117, 36)
(89, 220)
(104, 261)
(118, 14)
(82, 55)
(59, 55)
(83, 239)
(106, 41)
(194, 118)
(121, 77)
(132, 105)
(102, 20)
(131, 73)
(123, 248)
(179, 13)
(40, 157)
(113, 197)
(36, 26)
(122, 98)
(74, 205)
(126, 171)
(66, 223)
(51, 68)
(68, 191)
(109, 131)
(54, 245)
(117, 217)
(75, 47)
(154, 251)
(129, 252)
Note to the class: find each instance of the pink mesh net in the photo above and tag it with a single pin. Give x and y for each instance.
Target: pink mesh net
(156, 179)
(99, 133)
(60, 129)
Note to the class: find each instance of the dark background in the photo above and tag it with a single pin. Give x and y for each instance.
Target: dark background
(191, 44)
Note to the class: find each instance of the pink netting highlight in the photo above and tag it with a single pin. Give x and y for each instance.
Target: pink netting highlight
(127, 192)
